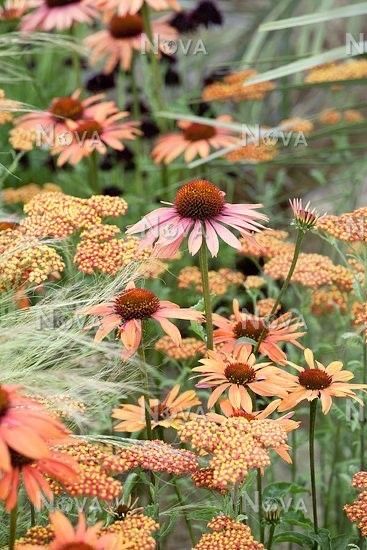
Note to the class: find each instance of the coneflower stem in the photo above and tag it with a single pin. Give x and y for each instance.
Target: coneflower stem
(154, 66)
(33, 515)
(313, 411)
(260, 505)
(297, 250)
(271, 536)
(204, 268)
(13, 527)
(364, 419)
(93, 173)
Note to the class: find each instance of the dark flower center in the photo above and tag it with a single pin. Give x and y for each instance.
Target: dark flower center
(252, 327)
(199, 200)
(196, 132)
(240, 373)
(59, 3)
(243, 414)
(4, 402)
(127, 26)
(67, 107)
(314, 379)
(18, 460)
(77, 546)
(136, 303)
(89, 129)
(160, 412)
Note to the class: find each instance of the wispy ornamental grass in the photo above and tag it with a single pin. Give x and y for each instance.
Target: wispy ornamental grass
(48, 350)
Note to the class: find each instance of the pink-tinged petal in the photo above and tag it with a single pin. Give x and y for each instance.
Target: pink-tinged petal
(234, 396)
(5, 464)
(246, 402)
(166, 252)
(131, 334)
(107, 325)
(100, 309)
(195, 238)
(64, 531)
(32, 488)
(179, 313)
(172, 331)
(226, 235)
(216, 394)
(211, 239)
(156, 218)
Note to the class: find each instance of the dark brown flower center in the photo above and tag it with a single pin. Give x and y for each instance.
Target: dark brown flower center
(196, 132)
(240, 373)
(89, 129)
(4, 402)
(160, 412)
(127, 26)
(136, 303)
(252, 327)
(314, 379)
(199, 200)
(59, 3)
(77, 546)
(18, 460)
(67, 107)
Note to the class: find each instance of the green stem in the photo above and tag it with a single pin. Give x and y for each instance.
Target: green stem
(271, 536)
(332, 476)
(13, 527)
(204, 268)
(138, 141)
(260, 504)
(154, 66)
(313, 411)
(364, 419)
(297, 250)
(182, 504)
(93, 173)
(33, 515)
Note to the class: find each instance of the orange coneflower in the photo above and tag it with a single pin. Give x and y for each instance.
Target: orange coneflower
(53, 121)
(240, 375)
(83, 537)
(194, 139)
(166, 413)
(33, 473)
(124, 7)
(95, 134)
(127, 311)
(59, 14)
(280, 330)
(25, 427)
(320, 382)
(124, 35)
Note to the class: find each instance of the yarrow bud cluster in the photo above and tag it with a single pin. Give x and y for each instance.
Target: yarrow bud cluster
(228, 533)
(236, 445)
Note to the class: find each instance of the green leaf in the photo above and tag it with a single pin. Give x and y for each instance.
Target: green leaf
(298, 538)
(312, 18)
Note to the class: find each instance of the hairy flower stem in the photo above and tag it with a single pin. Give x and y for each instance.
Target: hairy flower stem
(364, 418)
(33, 515)
(13, 527)
(154, 67)
(93, 174)
(204, 268)
(313, 411)
(260, 505)
(297, 250)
